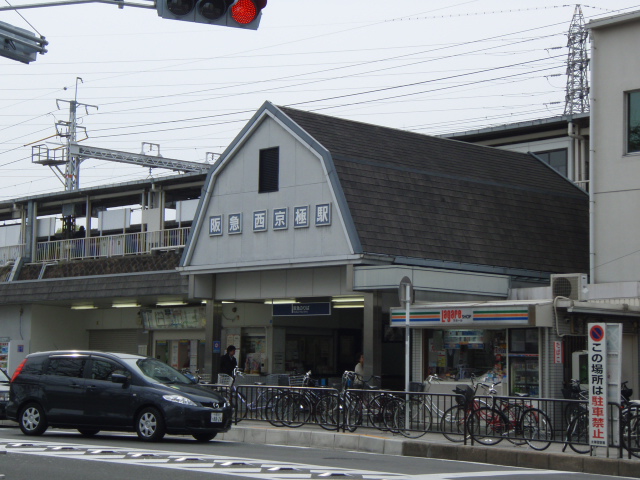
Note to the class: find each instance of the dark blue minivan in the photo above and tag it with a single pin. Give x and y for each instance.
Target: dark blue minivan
(92, 391)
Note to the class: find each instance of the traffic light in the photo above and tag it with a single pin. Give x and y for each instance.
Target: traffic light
(227, 13)
(20, 44)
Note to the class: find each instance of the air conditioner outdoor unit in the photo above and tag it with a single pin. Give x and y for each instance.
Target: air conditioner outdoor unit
(569, 285)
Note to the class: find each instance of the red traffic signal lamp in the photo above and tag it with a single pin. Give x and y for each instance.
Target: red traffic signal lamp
(228, 13)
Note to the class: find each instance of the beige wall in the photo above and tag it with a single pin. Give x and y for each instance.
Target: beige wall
(615, 175)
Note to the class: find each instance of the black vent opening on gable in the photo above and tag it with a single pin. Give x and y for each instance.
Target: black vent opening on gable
(269, 170)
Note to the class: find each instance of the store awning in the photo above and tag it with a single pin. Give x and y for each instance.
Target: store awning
(494, 314)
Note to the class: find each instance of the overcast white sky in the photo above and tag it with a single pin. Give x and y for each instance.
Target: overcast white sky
(427, 66)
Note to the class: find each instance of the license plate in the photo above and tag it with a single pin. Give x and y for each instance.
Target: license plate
(216, 418)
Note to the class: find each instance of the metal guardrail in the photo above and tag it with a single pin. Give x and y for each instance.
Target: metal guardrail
(11, 253)
(111, 245)
(537, 422)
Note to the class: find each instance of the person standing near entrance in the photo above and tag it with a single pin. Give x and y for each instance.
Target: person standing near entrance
(228, 361)
(359, 371)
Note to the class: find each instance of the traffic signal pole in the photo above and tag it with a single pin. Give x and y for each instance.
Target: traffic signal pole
(23, 46)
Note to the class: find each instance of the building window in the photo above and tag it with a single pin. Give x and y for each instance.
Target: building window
(633, 122)
(269, 170)
(556, 159)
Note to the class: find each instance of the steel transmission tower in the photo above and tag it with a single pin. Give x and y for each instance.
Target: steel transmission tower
(577, 92)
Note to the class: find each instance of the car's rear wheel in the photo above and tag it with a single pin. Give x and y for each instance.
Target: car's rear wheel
(33, 420)
(150, 425)
(204, 437)
(88, 432)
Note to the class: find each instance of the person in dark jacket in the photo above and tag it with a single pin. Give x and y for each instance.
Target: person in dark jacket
(228, 361)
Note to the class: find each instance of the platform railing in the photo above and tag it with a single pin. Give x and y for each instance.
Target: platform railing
(111, 245)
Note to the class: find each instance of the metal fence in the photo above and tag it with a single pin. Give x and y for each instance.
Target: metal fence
(479, 420)
(10, 253)
(111, 245)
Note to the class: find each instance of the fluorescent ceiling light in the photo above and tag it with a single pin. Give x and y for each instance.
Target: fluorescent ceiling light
(223, 301)
(125, 305)
(347, 299)
(349, 305)
(167, 304)
(281, 301)
(83, 307)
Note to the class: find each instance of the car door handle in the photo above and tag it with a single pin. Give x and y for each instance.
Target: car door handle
(90, 387)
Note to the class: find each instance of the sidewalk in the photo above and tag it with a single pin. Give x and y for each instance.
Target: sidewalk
(434, 445)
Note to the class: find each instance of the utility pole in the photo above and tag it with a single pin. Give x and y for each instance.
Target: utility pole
(577, 91)
(72, 167)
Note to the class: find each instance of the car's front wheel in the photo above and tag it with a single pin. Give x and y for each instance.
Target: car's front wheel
(150, 425)
(204, 437)
(33, 420)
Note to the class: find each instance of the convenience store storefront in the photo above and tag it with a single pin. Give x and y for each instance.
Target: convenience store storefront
(503, 342)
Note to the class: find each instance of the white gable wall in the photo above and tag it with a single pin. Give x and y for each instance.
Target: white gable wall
(303, 181)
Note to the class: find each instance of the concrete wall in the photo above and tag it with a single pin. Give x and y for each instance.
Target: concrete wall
(616, 175)
(303, 181)
(111, 318)
(56, 328)
(309, 282)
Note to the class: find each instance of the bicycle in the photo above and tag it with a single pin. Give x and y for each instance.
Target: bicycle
(298, 405)
(414, 418)
(527, 423)
(578, 430)
(260, 408)
(471, 418)
(351, 405)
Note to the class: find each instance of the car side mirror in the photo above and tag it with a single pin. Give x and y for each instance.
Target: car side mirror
(119, 378)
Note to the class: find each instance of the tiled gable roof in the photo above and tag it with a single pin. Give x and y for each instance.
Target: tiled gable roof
(423, 197)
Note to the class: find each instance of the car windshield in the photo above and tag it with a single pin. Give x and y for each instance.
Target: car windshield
(3, 376)
(161, 372)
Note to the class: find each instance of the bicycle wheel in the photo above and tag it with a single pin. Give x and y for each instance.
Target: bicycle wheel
(376, 410)
(294, 410)
(389, 414)
(328, 412)
(578, 433)
(536, 429)
(413, 419)
(513, 414)
(452, 423)
(271, 408)
(631, 433)
(487, 425)
(353, 411)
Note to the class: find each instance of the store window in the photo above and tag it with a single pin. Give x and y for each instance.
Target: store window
(633, 122)
(524, 361)
(253, 354)
(461, 354)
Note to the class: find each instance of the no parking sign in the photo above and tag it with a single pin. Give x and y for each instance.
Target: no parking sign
(605, 349)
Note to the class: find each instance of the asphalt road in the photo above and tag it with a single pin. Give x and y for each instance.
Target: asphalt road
(66, 455)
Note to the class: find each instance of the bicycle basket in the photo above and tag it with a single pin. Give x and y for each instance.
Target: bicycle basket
(348, 379)
(296, 380)
(464, 394)
(224, 379)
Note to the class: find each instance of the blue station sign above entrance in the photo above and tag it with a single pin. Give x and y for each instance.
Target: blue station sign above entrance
(301, 309)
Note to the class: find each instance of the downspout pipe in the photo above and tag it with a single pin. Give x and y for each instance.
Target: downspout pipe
(577, 152)
(590, 185)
